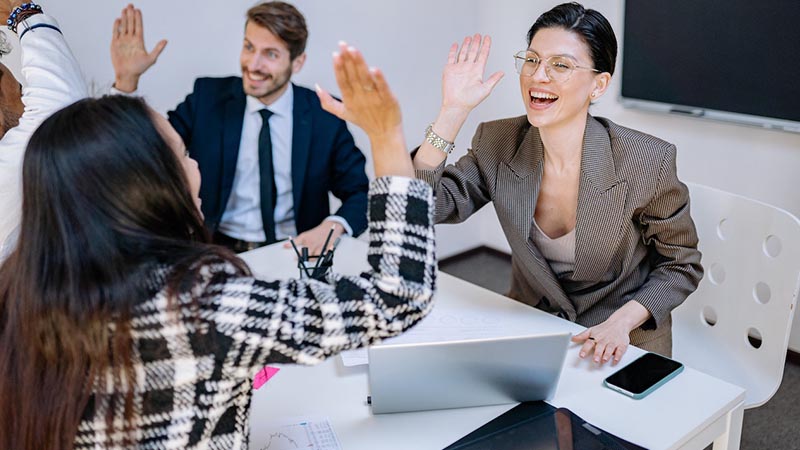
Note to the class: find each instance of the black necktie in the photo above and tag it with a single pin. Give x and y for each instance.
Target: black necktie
(267, 174)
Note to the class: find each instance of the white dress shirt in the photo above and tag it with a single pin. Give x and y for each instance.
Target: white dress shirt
(52, 80)
(242, 216)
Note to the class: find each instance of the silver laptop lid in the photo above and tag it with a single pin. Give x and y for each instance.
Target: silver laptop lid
(457, 374)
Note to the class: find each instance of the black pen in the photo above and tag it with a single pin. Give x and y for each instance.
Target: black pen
(328, 259)
(324, 248)
(300, 256)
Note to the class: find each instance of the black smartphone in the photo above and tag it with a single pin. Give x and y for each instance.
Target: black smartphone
(643, 375)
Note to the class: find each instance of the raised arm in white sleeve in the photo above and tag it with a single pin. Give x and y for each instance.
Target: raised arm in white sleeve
(52, 80)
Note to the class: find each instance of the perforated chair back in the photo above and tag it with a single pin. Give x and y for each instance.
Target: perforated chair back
(736, 325)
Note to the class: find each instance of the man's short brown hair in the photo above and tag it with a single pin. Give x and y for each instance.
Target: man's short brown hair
(282, 20)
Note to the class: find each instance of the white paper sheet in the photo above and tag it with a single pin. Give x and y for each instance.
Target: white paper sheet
(442, 324)
(311, 433)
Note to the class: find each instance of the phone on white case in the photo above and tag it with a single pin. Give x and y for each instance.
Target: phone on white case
(644, 375)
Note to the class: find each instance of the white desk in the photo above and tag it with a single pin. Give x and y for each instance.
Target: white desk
(691, 411)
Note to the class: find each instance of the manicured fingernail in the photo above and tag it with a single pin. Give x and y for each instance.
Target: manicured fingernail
(350, 48)
(583, 355)
(317, 88)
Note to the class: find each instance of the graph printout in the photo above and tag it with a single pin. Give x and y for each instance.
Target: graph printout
(308, 433)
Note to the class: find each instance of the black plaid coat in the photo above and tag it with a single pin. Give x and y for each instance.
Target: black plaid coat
(194, 366)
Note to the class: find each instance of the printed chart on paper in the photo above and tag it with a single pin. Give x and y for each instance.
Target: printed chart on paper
(301, 433)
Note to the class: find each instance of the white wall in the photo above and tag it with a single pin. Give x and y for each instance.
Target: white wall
(409, 40)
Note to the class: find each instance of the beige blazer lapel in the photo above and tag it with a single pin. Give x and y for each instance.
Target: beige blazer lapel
(601, 200)
(518, 183)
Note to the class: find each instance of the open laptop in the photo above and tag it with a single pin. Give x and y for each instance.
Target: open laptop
(457, 374)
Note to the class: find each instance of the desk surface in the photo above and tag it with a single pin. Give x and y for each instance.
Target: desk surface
(689, 411)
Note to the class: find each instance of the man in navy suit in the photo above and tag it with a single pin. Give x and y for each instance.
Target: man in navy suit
(268, 154)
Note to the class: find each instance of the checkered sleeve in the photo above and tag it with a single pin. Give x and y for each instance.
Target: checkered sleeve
(305, 321)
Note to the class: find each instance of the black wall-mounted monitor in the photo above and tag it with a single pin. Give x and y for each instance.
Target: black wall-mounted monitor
(732, 60)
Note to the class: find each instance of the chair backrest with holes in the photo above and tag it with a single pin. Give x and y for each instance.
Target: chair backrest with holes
(736, 325)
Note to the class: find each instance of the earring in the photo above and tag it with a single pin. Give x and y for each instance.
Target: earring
(594, 94)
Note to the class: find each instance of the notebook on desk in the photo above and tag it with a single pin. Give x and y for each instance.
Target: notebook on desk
(457, 374)
(539, 426)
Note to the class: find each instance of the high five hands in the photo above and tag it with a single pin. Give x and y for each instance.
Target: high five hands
(129, 56)
(368, 103)
(463, 86)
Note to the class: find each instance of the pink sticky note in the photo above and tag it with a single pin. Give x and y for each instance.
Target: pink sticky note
(264, 375)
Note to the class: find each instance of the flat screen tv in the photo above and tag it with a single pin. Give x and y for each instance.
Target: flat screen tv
(732, 60)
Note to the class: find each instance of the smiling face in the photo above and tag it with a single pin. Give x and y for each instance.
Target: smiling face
(553, 104)
(266, 64)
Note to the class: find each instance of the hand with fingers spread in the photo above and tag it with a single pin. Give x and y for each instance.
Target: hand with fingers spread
(368, 103)
(463, 86)
(129, 56)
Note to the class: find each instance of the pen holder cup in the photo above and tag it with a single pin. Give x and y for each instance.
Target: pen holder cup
(307, 268)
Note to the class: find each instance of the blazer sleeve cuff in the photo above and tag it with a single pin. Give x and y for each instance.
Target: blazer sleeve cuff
(343, 222)
(659, 302)
(430, 176)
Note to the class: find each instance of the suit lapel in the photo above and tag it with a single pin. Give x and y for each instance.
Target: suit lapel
(518, 184)
(233, 118)
(601, 200)
(301, 144)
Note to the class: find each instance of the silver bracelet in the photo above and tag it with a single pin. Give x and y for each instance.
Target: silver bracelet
(437, 141)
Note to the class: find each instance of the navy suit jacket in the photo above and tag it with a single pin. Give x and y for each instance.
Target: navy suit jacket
(324, 156)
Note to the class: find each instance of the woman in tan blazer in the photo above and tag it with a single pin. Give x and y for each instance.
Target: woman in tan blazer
(595, 214)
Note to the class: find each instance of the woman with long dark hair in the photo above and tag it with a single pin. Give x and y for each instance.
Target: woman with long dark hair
(121, 326)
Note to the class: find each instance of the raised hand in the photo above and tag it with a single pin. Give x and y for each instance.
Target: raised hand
(367, 100)
(129, 56)
(463, 86)
(368, 103)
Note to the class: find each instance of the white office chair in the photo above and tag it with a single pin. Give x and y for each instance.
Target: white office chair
(736, 325)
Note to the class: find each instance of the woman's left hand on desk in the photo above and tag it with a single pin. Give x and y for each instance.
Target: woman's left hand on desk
(603, 341)
(610, 339)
